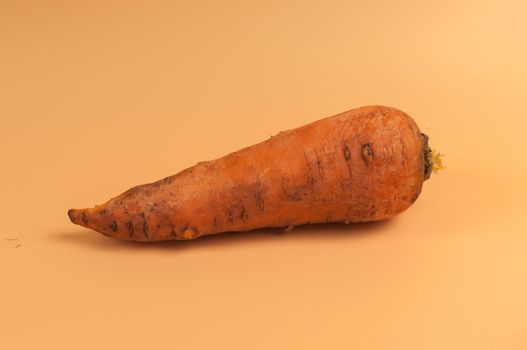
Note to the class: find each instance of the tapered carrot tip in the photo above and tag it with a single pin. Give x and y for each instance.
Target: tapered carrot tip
(80, 217)
(75, 216)
(95, 219)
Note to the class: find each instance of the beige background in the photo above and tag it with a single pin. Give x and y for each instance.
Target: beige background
(98, 96)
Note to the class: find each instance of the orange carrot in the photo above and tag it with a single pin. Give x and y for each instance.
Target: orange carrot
(362, 165)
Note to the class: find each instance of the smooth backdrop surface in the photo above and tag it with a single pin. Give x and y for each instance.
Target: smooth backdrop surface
(99, 96)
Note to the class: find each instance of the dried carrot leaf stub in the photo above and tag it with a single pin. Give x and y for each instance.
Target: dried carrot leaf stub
(365, 164)
(437, 161)
(432, 158)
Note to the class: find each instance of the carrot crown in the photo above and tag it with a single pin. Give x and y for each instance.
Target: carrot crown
(432, 159)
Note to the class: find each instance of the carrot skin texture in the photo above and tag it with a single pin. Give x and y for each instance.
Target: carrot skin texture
(365, 164)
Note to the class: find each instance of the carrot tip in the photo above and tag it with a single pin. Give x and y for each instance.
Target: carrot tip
(75, 215)
(71, 214)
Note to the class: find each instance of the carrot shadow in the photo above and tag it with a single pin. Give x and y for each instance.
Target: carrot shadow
(331, 231)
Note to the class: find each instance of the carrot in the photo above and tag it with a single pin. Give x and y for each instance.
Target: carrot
(362, 165)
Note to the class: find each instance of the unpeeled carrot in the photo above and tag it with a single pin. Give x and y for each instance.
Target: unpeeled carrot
(362, 165)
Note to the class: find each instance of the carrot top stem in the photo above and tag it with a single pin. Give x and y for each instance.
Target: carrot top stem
(432, 158)
(437, 161)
